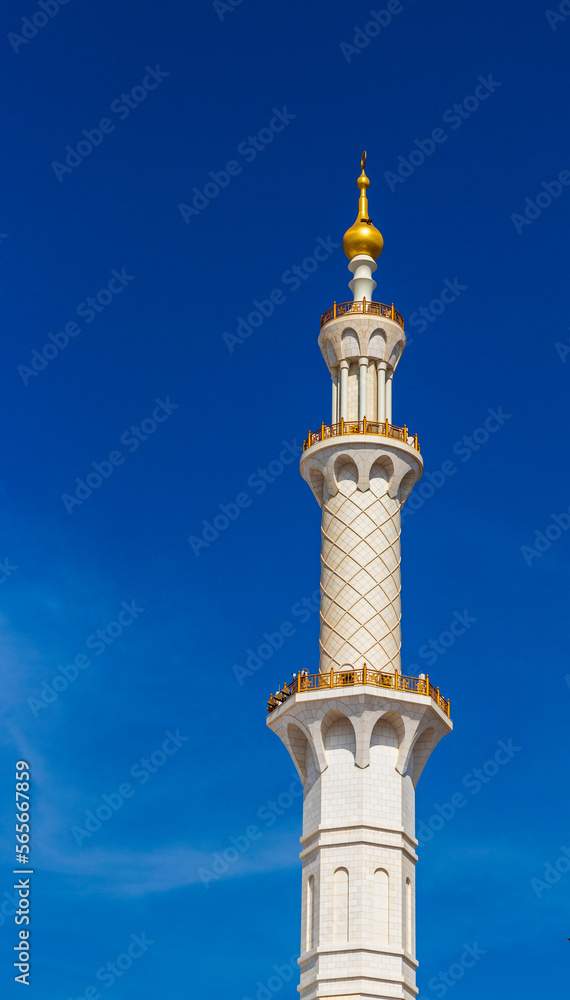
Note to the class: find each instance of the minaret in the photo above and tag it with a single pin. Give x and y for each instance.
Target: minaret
(359, 732)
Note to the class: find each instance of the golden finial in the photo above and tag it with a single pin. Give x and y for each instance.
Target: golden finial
(363, 237)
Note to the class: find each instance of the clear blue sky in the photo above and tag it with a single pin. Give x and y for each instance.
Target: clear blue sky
(158, 334)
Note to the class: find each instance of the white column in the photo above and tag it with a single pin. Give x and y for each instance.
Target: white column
(363, 284)
(335, 396)
(381, 373)
(389, 378)
(343, 401)
(362, 387)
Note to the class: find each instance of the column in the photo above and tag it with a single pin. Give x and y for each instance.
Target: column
(334, 396)
(381, 373)
(390, 376)
(343, 401)
(362, 387)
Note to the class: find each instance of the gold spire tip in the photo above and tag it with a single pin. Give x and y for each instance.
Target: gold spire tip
(363, 237)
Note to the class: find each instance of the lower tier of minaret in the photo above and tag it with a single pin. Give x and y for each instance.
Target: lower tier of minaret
(359, 754)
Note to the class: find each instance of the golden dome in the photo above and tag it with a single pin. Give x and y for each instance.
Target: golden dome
(363, 237)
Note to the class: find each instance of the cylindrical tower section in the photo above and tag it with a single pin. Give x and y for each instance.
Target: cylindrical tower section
(360, 575)
(361, 483)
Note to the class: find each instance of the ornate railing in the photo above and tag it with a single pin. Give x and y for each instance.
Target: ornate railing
(362, 306)
(381, 427)
(364, 675)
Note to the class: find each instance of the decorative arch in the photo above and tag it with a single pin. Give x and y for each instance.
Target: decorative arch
(381, 475)
(409, 907)
(339, 737)
(310, 914)
(406, 485)
(388, 731)
(350, 344)
(396, 354)
(341, 903)
(331, 354)
(345, 472)
(377, 345)
(299, 748)
(317, 483)
(423, 746)
(381, 911)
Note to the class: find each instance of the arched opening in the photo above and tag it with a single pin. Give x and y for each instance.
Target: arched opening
(317, 482)
(346, 474)
(421, 751)
(381, 907)
(406, 485)
(339, 738)
(377, 345)
(310, 914)
(340, 906)
(350, 345)
(299, 745)
(381, 475)
(396, 354)
(409, 917)
(385, 741)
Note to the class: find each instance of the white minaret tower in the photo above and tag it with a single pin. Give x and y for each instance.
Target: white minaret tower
(358, 731)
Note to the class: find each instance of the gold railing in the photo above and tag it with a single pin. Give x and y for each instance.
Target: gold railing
(363, 675)
(381, 427)
(362, 306)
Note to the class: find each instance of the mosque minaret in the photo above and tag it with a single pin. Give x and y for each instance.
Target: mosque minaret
(359, 732)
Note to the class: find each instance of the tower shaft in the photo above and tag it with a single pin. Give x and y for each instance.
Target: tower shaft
(358, 732)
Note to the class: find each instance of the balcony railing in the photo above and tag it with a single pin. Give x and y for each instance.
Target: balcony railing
(362, 306)
(365, 675)
(380, 427)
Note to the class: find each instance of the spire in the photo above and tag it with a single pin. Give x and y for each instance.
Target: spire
(363, 237)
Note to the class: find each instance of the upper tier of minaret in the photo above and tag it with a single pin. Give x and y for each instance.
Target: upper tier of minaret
(363, 328)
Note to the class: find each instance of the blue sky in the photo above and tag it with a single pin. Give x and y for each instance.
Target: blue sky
(200, 82)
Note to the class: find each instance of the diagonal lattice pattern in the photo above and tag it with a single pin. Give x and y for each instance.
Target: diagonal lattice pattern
(360, 580)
